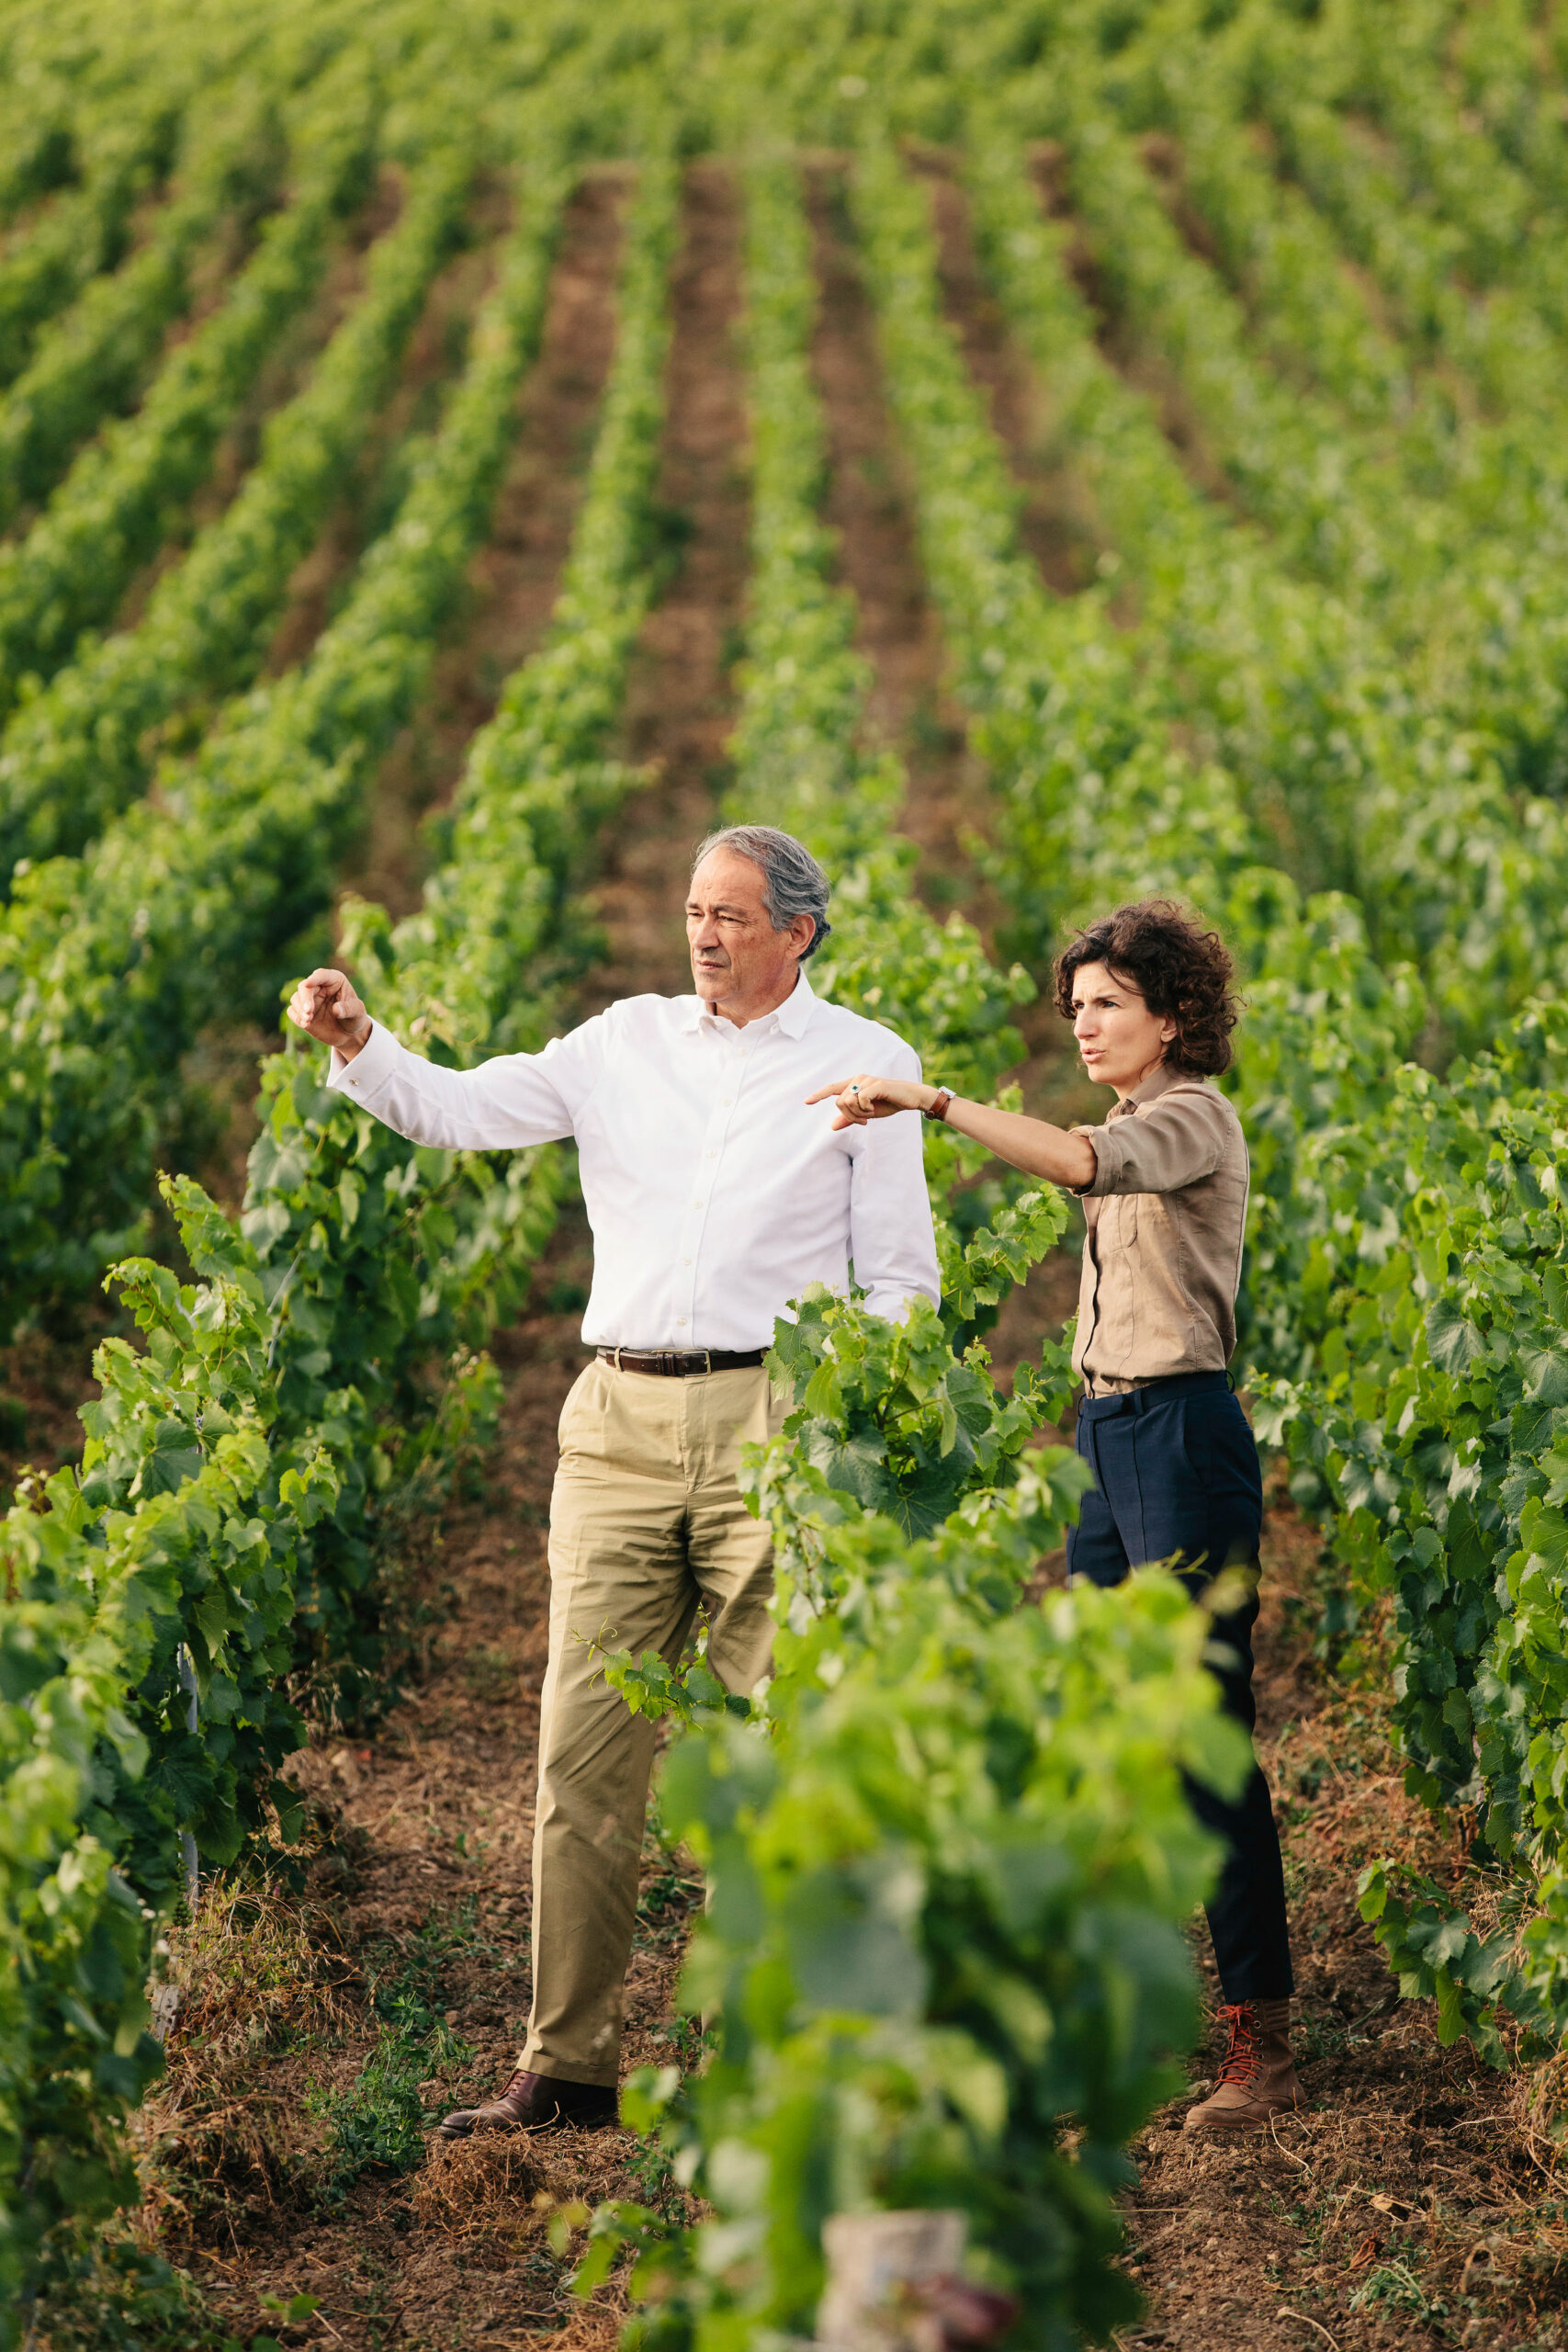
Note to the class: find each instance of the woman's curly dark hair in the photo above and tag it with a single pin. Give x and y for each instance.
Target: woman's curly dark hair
(1175, 966)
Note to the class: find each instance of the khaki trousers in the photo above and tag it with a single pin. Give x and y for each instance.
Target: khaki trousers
(646, 1522)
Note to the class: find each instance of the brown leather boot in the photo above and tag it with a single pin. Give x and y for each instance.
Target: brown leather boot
(536, 2103)
(1256, 2079)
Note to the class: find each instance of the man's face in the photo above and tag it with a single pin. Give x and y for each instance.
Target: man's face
(741, 966)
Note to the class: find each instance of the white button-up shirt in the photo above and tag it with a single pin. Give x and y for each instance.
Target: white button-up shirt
(715, 1197)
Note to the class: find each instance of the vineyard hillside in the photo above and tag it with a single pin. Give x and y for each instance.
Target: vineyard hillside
(1042, 455)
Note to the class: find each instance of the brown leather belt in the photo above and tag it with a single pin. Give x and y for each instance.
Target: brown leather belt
(681, 1363)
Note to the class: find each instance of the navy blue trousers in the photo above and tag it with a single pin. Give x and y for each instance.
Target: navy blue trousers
(1176, 1472)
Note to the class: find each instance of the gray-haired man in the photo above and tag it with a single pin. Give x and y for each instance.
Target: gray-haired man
(716, 1194)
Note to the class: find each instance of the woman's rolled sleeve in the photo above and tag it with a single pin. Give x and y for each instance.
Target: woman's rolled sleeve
(1173, 1141)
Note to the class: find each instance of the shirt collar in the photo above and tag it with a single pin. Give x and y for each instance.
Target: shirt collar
(795, 1013)
(1157, 1082)
(792, 1015)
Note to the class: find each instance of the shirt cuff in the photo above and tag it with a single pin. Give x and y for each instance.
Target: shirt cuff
(371, 1066)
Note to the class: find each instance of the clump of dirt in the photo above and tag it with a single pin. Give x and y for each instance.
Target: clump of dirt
(255, 1974)
(296, 1979)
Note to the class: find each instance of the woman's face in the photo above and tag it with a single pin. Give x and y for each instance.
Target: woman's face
(1121, 1042)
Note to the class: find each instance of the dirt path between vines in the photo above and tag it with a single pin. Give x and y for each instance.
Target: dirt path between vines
(423, 1876)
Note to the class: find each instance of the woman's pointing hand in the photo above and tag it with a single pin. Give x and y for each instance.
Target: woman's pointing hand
(1062, 1156)
(863, 1099)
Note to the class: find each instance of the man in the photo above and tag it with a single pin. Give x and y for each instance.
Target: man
(716, 1195)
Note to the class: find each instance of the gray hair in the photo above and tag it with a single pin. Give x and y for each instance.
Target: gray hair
(793, 882)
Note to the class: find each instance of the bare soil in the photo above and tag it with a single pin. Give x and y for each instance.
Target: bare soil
(1415, 2201)
(45, 1379)
(1142, 364)
(375, 480)
(869, 504)
(209, 270)
(424, 1826)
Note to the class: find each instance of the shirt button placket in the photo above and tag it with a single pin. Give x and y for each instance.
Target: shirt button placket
(715, 1135)
(707, 1169)
(683, 1285)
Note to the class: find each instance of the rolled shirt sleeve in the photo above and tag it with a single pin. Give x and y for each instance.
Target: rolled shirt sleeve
(1175, 1141)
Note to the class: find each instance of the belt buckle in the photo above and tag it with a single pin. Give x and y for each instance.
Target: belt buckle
(707, 1355)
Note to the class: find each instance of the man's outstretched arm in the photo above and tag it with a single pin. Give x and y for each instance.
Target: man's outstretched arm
(504, 1104)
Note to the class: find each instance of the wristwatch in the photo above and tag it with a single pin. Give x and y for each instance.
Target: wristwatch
(938, 1109)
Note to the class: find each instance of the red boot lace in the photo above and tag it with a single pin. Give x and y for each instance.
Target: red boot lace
(1244, 2056)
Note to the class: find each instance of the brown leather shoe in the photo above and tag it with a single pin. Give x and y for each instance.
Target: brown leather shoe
(536, 2103)
(1257, 2080)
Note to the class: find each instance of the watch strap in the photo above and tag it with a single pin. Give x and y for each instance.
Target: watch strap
(938, 1109)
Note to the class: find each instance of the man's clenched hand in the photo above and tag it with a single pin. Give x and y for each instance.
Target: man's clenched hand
(327, 1006)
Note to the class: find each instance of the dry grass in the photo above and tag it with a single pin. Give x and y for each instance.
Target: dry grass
(258, 1964)
(262, 1979)
(498, 2186)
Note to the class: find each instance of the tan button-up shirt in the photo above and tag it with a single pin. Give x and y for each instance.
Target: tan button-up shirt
(1167, 1211)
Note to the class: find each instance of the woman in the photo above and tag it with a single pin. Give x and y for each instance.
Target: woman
(1164, 1185)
